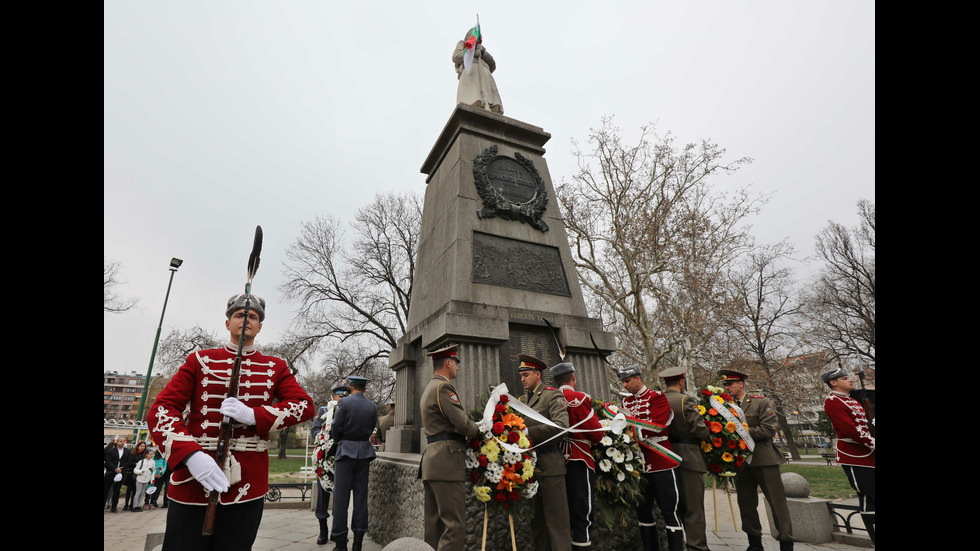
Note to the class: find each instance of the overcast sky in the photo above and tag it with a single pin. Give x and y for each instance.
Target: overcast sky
(220, 115)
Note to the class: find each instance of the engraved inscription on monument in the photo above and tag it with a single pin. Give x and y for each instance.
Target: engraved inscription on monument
(512, 180)
(511, 188)
(518, 264)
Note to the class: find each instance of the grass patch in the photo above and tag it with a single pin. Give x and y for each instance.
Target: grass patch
(825, 482)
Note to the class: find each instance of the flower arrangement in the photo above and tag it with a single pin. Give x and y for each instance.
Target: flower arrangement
(619, 462)
(726, 450)
(324, 450)
(501, 463)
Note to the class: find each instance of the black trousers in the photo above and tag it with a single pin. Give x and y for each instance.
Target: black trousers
(350, 476)
(662, 488)
(862, 479)
(235, 527)
(109, 486)
(322, 501)
(579, 481)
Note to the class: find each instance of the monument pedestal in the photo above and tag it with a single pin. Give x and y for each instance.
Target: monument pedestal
(493, 265)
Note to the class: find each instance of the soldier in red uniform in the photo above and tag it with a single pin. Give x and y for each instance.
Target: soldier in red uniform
(269, 399)
(653, 412)
(855, 444)
(577, 449)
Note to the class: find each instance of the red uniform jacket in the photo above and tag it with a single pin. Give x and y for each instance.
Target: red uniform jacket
(577, 445)
(855, 445)
(652, 406)
(265, 384)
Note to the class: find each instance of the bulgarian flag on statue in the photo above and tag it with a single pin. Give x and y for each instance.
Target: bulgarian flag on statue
(471, 43)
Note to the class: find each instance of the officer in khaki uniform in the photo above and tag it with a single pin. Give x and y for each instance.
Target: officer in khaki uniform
(762, 468)
(552, 530)
(686, 433)
(447, 429)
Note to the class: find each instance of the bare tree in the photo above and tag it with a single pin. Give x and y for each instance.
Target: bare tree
(653, 240)
(355, 294)
(180, 343)
(766, 333)
(112, 303)
(341, 362)
(841, 306)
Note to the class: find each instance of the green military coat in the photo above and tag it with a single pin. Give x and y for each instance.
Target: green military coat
(687, 430)
(549, 403)
(761, 419)
(443, 413)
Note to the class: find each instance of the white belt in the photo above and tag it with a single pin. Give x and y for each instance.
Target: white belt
(242, 444)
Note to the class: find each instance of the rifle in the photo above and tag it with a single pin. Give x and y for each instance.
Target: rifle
(869, 409)
(225, 437)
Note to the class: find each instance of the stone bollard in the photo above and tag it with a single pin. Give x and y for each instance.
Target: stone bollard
(408, 544)
(811, 516)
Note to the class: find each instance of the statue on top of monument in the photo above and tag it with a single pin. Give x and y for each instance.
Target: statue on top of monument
(473, 67)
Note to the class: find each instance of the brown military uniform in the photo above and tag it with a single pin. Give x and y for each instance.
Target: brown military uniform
(552, 530)
(686, 433)
(443, 468)
(384, 423)
(762, 471)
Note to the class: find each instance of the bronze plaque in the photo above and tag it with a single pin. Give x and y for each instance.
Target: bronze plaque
(512, 180)
(518, 265)
(511, 188)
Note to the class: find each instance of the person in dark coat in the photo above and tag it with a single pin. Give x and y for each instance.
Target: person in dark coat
(351, 429)
(115, 459)
(323, 420)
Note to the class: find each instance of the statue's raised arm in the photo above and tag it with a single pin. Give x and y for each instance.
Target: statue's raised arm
(476, 84)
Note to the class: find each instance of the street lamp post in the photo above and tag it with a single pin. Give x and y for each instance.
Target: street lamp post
(174, 264)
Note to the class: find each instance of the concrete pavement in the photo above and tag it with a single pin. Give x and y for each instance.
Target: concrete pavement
(296, 529)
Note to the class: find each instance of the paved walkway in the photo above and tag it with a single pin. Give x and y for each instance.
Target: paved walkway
(294, 529)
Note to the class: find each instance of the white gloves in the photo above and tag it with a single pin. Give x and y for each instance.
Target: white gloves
(234, 408)
(206, 471)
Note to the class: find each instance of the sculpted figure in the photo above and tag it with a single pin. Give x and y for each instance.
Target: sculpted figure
(476, 84)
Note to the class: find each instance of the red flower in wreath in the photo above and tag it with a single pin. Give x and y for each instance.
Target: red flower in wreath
(715, 427)
(715, 468)
(474, 476)
(706, 392)
(500, 408)
(739, 460)
(716, 442)
(499, 428)
(504, 399)
(482, 460)
(474, 443)
(500, 497)
(513, 437)
(732, 444)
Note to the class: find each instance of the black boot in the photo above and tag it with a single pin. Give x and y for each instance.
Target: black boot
(358, 541)
(324, 532)
(755, 544)
(869, 523)
(648, 536)
(786, 546)
(675, 540)
(341, 544)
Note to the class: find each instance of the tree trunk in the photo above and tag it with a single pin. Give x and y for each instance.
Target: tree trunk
(794, 451)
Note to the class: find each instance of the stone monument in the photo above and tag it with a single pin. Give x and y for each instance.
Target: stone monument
(494, 269)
